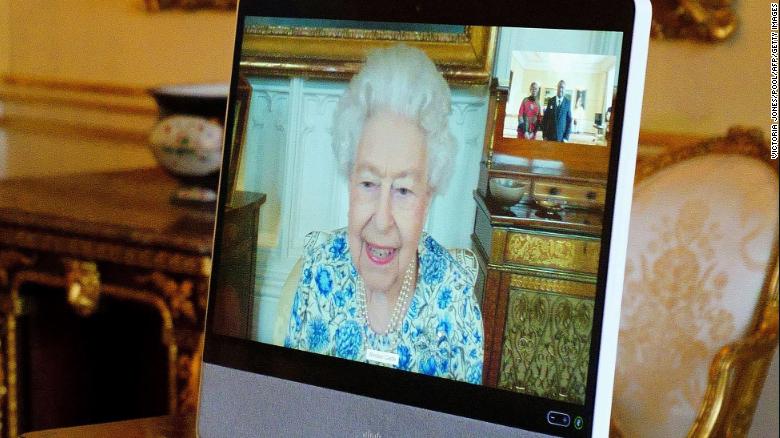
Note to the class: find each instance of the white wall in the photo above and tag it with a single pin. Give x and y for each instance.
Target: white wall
(557, 41)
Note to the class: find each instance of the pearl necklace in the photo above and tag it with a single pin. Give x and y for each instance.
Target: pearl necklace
(403, 296)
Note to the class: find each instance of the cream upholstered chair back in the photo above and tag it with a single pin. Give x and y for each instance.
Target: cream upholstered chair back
(697, 327)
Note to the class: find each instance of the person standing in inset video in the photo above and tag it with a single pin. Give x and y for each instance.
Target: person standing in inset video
(557, 116)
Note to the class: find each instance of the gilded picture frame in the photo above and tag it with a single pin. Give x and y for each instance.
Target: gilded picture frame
(709, 21)
(464, 56)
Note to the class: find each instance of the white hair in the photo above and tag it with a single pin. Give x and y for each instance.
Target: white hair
(404, 80)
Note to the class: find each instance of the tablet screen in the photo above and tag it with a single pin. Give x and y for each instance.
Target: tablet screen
(435, 202)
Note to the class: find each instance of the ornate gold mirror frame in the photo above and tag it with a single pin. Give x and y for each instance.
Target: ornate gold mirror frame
(464, 57)
(698, 20)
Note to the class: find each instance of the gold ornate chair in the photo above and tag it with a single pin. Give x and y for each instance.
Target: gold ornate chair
(699, 318)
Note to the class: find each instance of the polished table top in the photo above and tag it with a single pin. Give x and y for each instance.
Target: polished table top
(131, 206)
(155, 427)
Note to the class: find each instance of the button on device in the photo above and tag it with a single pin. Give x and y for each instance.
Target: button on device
(558, 419)
(578, 422)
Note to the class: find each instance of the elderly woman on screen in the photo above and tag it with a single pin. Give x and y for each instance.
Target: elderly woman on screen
(382, 291)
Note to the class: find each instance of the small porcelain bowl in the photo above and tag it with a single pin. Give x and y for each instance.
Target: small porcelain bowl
(507, 191)
(187, 138)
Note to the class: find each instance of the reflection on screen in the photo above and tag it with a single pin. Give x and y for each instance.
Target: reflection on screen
(416, 222)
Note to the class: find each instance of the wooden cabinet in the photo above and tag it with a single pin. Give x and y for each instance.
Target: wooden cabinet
(539, 287)
(103, 287)
(236, 281)
(538, 266)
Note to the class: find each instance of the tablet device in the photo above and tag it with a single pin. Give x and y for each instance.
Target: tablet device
(434, 200)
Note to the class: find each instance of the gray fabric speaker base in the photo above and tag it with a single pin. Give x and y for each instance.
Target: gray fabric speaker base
(236, 403)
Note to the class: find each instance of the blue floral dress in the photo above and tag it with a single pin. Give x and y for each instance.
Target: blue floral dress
(440, 335)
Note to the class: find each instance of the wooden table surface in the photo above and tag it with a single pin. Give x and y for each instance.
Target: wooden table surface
(155, 427)
(107, 205)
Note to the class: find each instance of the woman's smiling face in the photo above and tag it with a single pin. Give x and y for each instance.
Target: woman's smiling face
(388, 199)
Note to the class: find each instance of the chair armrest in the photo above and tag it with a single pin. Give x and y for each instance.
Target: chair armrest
(284, 308)
(736, 377)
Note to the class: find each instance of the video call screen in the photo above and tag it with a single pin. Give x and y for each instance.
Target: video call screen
(434, 198)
